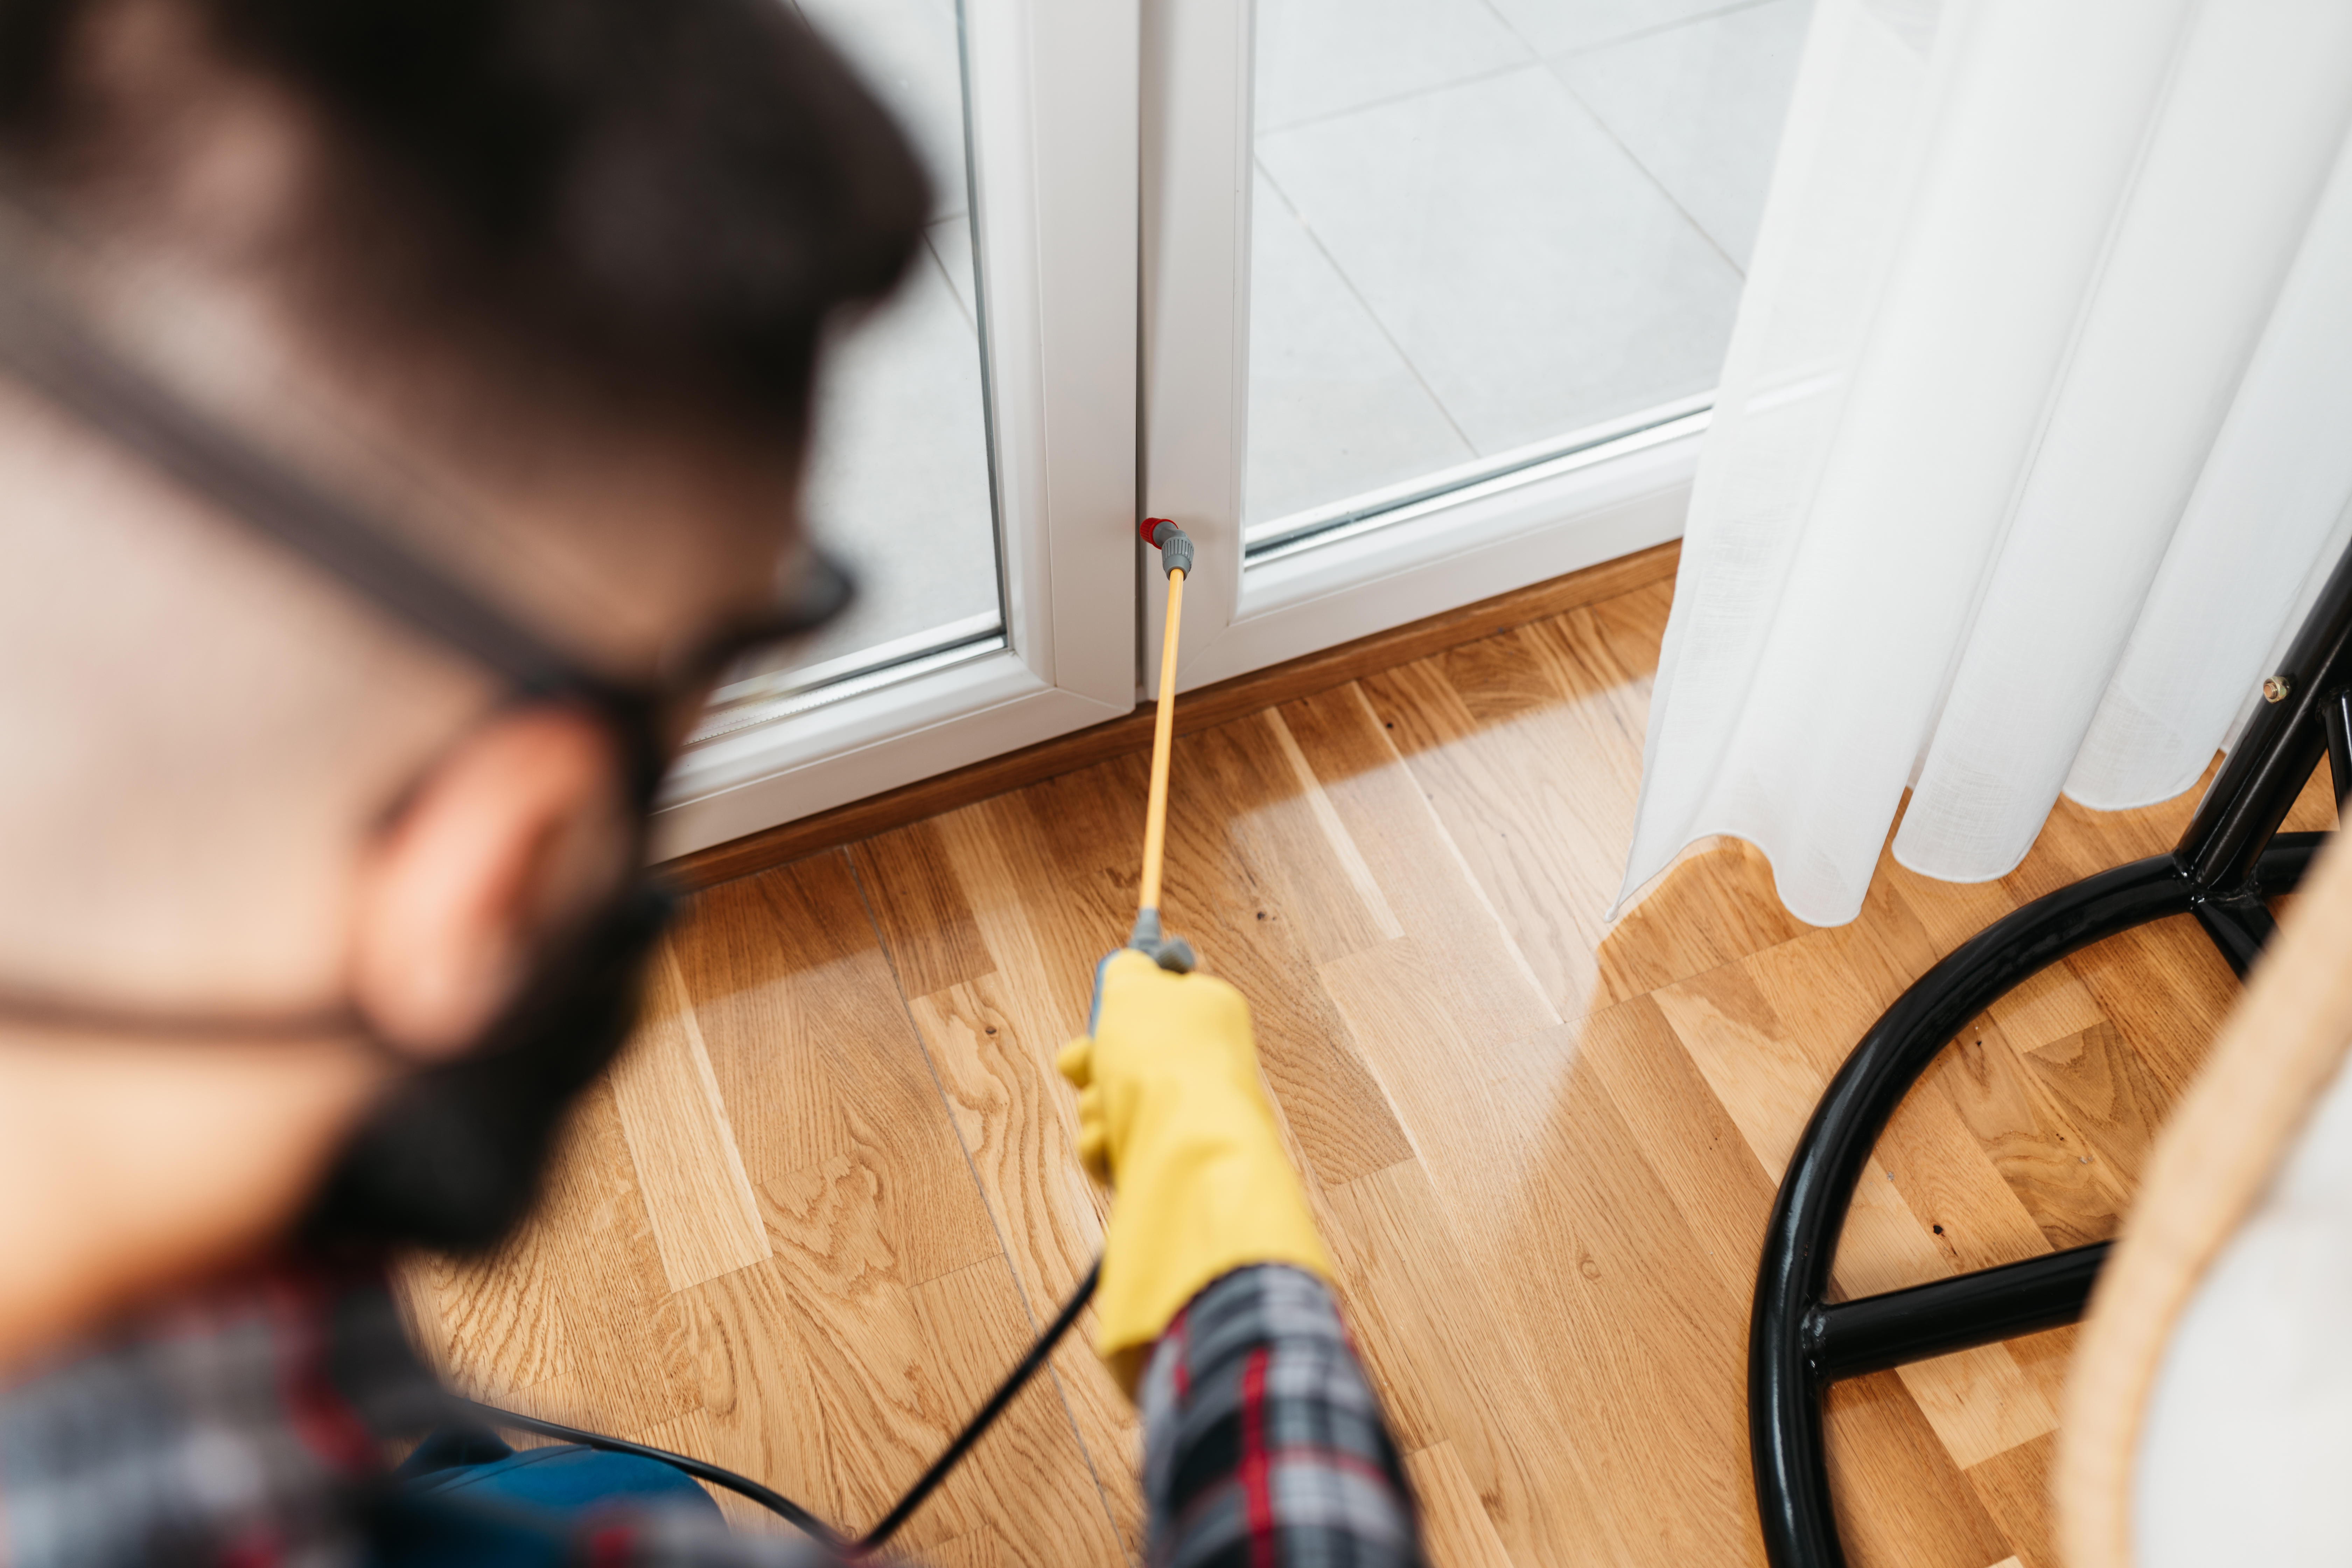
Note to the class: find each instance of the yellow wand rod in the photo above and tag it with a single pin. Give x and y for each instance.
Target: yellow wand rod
(1163, 736)
(1176, 555)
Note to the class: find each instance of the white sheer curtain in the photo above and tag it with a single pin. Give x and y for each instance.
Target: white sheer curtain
(2035, 434)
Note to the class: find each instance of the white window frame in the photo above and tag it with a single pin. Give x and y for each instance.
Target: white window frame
(1051, 104)
(1590, 496)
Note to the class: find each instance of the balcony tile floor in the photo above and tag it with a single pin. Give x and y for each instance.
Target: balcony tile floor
(1540, 210)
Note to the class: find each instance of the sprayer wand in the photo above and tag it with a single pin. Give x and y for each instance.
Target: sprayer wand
(1168, 953)
(1176, 557)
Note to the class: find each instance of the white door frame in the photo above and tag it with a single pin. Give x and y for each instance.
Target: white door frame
(1590, 496)
(1052, 89)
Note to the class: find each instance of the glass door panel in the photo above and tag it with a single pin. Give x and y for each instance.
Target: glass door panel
(975, 445)
(1485, 235)
(898, 481)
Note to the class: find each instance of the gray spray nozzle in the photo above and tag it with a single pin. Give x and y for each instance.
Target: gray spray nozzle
(1171, 953)
(1175, 549)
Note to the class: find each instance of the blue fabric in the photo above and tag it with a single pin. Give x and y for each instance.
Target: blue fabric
(570, 1479)
(466, 1499)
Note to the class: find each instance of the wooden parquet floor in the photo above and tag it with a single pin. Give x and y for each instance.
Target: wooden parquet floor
(829, 1193)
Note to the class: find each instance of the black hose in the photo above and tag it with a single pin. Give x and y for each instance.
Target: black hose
(784, 1508)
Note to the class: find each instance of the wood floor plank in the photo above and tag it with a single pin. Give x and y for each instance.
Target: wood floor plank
(993, 1041)
(1531, 784)
(1980, 1402)
(1071, 864)
(1632, 1318)
(1885, 1246)
(1019, 1128)
(2052, 1005)
(1090, 827)
(1947, 1175)
(1900, 1500)
(1032, 1487)
(1338, 846)
(819, 1067)
(1931, 1203)
(980, 1549)
(867, 1195)
(1453, 1370)
(1698, 1155)
(2108, 1095)
(1302, 860)
(1454, 1522)
(2078, 842)
(1258, 904)
(1977, 1402)
(706, 1220)
(1770, 1071)
(485, 1321)
(1327, 1093)
(2044, 1358)
(817, 1377)
(1023, 1140)
(626, 1365)
(1768, 1030)
(928, 928)
(762, 1022)
(1765, 1077)
(1714, 905)
(1832, 984)
(1623, 631)
(2014, 1486)
(2039, 1148)
(1048, 905)
(2166, 990)
(1948, 912)
(1484, 978)
(1460, 1088)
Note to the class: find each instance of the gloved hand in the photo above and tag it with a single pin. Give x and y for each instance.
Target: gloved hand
(1172, 1115)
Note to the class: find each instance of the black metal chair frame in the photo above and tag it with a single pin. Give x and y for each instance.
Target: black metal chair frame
(2230, 858)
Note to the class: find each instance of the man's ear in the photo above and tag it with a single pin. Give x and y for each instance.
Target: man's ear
(516, 832)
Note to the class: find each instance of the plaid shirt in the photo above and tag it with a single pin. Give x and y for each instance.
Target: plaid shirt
(244, 1427)
(1262, 1444)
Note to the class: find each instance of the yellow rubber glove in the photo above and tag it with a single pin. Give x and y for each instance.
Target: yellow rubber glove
(1172, 1116)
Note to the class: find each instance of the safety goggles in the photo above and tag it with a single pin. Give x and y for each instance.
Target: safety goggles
(46, 348)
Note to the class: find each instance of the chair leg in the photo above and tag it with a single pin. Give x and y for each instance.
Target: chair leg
(2232, 857)
(1798, 1342)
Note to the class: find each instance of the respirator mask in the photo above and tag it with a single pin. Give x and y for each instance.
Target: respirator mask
(452, 1154)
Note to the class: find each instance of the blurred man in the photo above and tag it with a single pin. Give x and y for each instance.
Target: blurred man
(402, 407)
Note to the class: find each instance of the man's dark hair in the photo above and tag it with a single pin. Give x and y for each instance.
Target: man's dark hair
(662, 200)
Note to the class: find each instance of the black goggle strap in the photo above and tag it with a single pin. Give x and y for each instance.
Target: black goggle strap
(42, 346)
